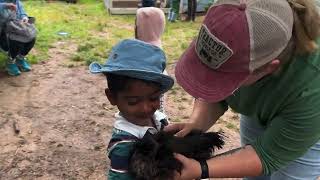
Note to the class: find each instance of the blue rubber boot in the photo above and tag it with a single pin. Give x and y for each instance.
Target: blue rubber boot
(13, 69)
(23, 64)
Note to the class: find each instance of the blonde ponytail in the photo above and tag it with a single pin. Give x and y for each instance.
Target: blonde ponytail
(306, 25)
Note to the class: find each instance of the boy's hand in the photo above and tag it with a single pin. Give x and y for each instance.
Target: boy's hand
(11, 6)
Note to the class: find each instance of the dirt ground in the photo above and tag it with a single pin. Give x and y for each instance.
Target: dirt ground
(55, 121)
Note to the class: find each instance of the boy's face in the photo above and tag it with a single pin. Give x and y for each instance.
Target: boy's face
(138, 102)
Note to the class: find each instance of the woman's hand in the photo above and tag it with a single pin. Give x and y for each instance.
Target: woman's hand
(204, 115)
(10, 6)
(181, 129)
(191, 168)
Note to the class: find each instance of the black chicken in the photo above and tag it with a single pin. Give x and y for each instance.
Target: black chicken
(153, 155)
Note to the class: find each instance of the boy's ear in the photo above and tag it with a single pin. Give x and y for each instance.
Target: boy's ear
(110, 96)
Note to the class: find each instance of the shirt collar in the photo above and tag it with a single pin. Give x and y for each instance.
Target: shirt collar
(122, 124)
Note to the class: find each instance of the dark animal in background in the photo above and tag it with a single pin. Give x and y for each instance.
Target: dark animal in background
(153, 155)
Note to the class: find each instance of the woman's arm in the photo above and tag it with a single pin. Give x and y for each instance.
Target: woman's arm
(241, 162)
(237, 163)
(204, 115)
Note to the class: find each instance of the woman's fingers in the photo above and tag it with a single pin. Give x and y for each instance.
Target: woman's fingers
(175, 127)
(180, 157)
(183, 132)
(180, 129)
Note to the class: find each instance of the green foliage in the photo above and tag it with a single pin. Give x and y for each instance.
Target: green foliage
(2, 59)
(232, 126)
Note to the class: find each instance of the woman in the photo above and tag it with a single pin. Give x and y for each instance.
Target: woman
(16, 50)
(261, 58)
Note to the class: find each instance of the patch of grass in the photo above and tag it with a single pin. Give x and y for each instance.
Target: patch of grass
(81, 21)
(89, 25)
(94, 49)
(232, 126)
(3, 58)
(177, 38)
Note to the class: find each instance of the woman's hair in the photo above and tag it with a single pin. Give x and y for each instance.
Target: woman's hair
(306, 28)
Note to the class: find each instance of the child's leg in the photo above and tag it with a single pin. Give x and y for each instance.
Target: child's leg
(3, 41)
(27, 47)
(193, 10)
(175, 6)
(14, 48)
(189, 12)
(22, 61)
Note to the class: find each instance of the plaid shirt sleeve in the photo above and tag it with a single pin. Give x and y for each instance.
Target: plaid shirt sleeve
(119, 150)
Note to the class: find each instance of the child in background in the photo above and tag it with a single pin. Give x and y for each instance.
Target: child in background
(150, 24)
(134, 72)
(192, 9)
(173, 13)
(17, 50)
(149, 27)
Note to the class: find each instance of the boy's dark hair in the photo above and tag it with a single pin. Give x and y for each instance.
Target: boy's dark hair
(118, 83)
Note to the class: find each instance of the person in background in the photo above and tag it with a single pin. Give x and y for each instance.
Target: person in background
(192, 9)
(17, 51)
(262, 59)
(174, 10)
(148, 3)
(149, 27)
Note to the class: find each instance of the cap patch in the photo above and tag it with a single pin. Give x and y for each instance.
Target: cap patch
(211, 50)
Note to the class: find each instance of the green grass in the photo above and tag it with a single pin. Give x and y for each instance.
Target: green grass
(231, 126)
(94, 31)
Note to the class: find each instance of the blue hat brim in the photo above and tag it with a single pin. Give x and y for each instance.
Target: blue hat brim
(165, 81)
(95, 67)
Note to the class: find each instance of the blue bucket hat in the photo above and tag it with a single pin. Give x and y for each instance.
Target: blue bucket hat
(136, 59)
